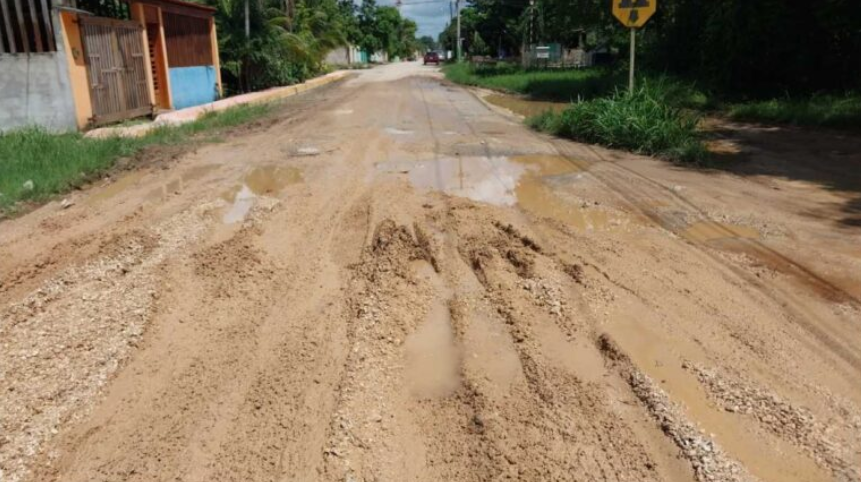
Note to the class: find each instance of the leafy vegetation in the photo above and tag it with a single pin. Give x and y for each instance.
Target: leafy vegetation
(286, 42)
(641, 121)
(738, 48)
(38, 164)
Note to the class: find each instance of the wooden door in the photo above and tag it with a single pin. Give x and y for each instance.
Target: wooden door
(116, 68)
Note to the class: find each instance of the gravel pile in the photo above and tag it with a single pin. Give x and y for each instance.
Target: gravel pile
(62, 343)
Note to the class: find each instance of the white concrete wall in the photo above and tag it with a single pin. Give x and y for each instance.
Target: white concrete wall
(339, 56)
(35, 90)
(346, 55)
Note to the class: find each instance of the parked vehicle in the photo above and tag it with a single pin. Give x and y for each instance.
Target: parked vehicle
(431, 58)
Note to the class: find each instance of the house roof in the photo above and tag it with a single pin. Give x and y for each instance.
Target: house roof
(179, 7)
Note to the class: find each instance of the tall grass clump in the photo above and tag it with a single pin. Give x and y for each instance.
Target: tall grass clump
(36, 164)
(824, 110)
(641, 122)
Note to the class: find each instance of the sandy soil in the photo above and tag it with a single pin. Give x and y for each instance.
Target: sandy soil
(394, 280)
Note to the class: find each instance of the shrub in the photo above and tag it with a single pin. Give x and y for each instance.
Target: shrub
(642, 122)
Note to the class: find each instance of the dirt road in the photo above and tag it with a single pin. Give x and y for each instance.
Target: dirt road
(391, 280)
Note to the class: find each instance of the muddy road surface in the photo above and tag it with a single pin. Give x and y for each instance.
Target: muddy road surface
(391, 279)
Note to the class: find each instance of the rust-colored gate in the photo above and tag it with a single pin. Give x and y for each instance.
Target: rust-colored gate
(116, 68)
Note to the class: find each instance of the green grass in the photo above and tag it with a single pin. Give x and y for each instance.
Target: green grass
(642, 122)
(839, 111)
(555, 85)
(824, 110)
(56, 163)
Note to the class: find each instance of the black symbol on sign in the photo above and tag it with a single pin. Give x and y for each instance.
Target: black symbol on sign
(633, 5)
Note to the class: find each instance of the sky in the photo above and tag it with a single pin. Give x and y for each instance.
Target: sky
(430, 17)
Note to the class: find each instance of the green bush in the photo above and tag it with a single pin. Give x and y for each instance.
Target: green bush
(642, 122)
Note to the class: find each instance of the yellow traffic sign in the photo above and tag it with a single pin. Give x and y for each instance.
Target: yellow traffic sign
(634, 13)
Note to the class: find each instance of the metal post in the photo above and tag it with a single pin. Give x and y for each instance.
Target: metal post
(633, 56)
(247, 19)
(459, 41)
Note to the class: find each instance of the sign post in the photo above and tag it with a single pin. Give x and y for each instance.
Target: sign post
(634, 14)
(633, 58)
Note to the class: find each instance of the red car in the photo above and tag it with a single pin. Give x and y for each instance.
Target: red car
(431, 58)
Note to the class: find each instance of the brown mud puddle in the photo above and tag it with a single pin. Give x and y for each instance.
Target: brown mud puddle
(525, 107)
(661, 359)
(121, 185)
(516, 180)
(261, 181)
(432, 357)
(178, 185)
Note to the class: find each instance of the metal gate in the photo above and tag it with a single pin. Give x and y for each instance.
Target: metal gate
(116, 68)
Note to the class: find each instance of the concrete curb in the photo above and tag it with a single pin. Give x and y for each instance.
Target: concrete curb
(191, 114)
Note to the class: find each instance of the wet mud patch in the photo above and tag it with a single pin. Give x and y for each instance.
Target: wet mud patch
(231, 267)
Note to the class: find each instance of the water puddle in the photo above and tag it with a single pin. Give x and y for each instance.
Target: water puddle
(704, 231)
(261, 181)
(242, 203)
(271, 179)
(507, 181)
(525, 107)
(398, 132)
(767, 457)
(307, 151)
(432, 356)
(116, 187)
(433, 360)
(491, 180)
(177, 185)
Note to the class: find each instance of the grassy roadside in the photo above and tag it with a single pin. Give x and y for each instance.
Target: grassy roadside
(659, 119)
(640, 122)
(36, 164)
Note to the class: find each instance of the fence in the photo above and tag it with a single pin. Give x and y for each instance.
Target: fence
(26, 27)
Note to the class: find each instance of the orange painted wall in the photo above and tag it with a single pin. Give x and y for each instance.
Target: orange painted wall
(77, 68)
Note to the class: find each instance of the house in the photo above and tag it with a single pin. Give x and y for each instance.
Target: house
(67, 64)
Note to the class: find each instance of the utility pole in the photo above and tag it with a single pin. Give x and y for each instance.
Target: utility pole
(459, 41)
(247, 19)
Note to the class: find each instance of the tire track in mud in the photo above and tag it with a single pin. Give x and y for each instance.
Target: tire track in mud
(543, 401)
(649, 191)
(576, 431)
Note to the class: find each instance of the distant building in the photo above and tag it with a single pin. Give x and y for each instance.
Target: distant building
(67, 68)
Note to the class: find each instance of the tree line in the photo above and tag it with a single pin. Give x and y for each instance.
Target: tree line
(743, 47)
(266, 43)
